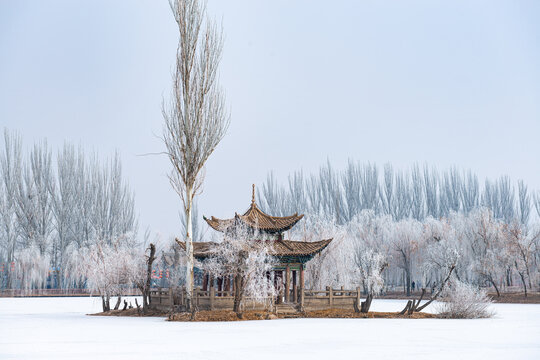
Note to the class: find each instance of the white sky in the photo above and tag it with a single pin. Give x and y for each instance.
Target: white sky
(442, 82)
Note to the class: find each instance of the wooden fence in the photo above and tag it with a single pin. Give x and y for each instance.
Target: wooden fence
(331, 298)
(166, 299)
(58, 292)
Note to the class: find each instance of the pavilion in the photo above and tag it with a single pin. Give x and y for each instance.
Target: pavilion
(291, 255)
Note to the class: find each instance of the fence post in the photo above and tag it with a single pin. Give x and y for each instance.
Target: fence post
(212, 294)
(330, 295)
(358, 299)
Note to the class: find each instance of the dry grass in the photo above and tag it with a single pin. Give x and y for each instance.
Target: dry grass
(133, 312)
(516, 298)
(224, 315)
(509, 297)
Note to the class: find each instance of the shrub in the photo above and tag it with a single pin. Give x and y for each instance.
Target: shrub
(464, 301)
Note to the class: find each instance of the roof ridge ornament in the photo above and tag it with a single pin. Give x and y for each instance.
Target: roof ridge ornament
(253, 196)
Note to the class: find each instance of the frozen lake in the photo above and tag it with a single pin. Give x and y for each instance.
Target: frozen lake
(57, 328)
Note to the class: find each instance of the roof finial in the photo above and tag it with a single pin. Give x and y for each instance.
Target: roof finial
(253, 196)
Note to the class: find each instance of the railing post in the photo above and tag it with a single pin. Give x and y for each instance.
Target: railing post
(171, 301)
(330, 295)
(358, 299)
(212, 294)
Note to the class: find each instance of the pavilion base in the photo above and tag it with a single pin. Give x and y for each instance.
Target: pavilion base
(308, 300)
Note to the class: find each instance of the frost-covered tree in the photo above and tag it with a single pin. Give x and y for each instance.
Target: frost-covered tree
(65, 198)
(407, 240)
(336, 256)
(247, 260)
(109, 268)
(32, 267)
(370, 265)
(10, 177)
(272, 196)
(143, 274)
(113, 210)
(195, 119)
(522, 245)
(441, 257)
(34, 199)
(486, 241)
(524, 203)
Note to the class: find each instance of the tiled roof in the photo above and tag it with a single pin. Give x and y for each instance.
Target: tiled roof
(255, 218)
(277, 248)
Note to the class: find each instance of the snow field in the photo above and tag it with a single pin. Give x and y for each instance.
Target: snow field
(57, 328)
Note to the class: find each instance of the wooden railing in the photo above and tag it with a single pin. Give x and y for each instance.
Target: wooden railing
(57, 292)
(330, 297)
(212, 299)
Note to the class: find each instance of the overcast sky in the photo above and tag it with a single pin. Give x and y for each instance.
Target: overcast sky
(443, 82)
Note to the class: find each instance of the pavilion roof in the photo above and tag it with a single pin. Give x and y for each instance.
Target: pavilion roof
(276, 248)
(255, 218)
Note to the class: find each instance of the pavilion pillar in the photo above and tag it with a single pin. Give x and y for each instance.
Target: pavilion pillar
(287, 284)
(278, 285)
(294, 287)
(301, 288)
(205, 282)
(220, 285)
(212, 292)
(227, 284)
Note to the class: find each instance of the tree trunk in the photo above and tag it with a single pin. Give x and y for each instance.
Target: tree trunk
(118, 301)
(366, 304)
(495, 286)
(522, 276)
(528, 274)
(356, 302)
(105, 303)
(138, 306)
(407, 308)
(238, 294)
(10, 259)
(189, 249)
(408, 279)
(146, 289)
(413, 305)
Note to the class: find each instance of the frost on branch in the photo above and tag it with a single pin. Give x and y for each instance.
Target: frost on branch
(335, 257)
(109, 269)
(464, 301)
(370, 265)
(248, 260)
(369, 236)
(32, 268)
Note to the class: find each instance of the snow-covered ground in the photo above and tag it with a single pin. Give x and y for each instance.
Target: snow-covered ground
(57, 328)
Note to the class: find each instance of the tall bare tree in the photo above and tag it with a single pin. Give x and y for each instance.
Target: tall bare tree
(195, 119)
(10, 177)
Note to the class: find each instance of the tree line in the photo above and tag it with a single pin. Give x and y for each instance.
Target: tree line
(53, 206)
(417, 193)
(404, 228)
